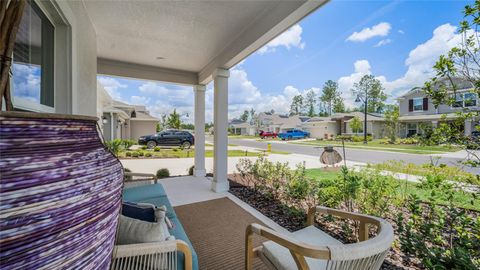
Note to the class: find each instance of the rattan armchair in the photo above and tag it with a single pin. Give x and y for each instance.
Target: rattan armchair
(311, 248)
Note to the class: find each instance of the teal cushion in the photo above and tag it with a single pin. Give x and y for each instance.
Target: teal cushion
(135, 194)
(159, 201)
(180, 234)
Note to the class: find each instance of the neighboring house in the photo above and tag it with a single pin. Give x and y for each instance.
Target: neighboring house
(279, 123)
(416, 110)
(121, 120)
(340, 124)
(240, 127)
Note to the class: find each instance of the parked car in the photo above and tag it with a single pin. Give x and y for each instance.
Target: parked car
(293, 134)
(168, 138)
(266, 134)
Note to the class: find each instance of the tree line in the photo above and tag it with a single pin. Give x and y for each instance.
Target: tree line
(330, 101)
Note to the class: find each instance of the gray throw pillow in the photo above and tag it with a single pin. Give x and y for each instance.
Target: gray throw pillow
(134, 231)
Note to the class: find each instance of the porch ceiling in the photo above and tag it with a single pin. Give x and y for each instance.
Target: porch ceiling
(193, 37)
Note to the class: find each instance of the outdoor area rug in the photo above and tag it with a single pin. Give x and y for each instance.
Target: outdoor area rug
(216, 229)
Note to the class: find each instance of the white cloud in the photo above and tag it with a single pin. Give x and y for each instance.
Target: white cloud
(292, 38)
(401, 32)
(383, 42)
(419, 65)
(112, 86)
(26, 80)
(140, 100)
(380, 30)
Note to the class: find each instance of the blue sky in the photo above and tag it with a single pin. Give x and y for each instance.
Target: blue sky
(396, 41)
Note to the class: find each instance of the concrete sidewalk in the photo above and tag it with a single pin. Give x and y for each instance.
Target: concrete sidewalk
(180, 166)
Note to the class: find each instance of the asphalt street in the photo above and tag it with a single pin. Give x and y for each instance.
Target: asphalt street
(359, 155)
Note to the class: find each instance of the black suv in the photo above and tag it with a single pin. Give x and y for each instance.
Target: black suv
(168, 138)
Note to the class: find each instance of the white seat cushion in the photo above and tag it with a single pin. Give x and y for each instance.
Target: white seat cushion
(283, 260)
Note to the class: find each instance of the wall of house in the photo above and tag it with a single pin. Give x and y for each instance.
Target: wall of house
(83, 53)
(141, 128)
(107, 133)
(321, 130)
(376, 129)
(403, 106)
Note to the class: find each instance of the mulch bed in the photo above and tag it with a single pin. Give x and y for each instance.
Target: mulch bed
(293, 220)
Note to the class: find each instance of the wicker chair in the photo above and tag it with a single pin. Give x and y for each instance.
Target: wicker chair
(311, 248)
(161, 255)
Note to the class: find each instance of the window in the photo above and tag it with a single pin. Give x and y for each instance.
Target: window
(417, 104)
(33, 58)
(411, 129)
(470, 99)
(465, 100)
(458, 102)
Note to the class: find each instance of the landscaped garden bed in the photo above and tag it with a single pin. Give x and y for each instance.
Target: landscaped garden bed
(430, 233)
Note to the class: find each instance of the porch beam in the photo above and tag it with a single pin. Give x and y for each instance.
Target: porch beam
(220, 118)
(138, 71)
(199, 130)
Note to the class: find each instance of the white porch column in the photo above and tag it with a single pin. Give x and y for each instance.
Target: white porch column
(199, 130)
(468, 127)
(220, 120)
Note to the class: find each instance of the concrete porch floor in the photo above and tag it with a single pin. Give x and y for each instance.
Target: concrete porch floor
(189, 189)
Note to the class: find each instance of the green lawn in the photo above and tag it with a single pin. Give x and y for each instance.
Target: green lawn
(405, 189)
(242, 137)
(377, 145)
(178, 153)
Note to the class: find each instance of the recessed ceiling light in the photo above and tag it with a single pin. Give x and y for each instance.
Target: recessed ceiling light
(160, 58)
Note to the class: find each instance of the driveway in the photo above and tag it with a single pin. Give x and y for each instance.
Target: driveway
(356, 155)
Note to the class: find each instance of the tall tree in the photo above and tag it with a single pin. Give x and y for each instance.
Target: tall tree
(391, 122)
(162, 124)
(310, 102)
(372, 88)
(338, 105)
(297, 105)
(173, 120)
(244, 116)
(356, 125)
(329, 95)
(460, 66)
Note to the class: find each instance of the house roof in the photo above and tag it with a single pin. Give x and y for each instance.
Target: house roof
(349, 116)
(460, 84)
(143, 116)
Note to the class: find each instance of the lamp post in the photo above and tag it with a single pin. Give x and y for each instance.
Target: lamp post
(358, 99)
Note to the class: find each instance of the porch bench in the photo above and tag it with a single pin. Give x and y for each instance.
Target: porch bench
(155, 194)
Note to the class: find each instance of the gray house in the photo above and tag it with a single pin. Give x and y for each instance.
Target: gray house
(417, 109)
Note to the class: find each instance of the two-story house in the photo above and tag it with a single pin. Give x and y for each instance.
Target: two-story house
(416, 109)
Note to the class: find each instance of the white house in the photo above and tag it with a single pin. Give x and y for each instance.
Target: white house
(119, 120)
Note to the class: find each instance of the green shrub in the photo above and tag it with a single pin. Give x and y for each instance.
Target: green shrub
(141, 154)
(128, 154)
(190, 170)
(135, 154)
(441, 236)
(128, 143)
(163, 173)
(114, 146)
(148, 154)
(144, 147)
(156, 149)
(175, 149)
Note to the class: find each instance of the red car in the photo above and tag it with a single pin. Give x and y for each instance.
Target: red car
(265, 134)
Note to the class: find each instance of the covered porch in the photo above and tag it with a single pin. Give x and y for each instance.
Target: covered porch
(192, 44)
